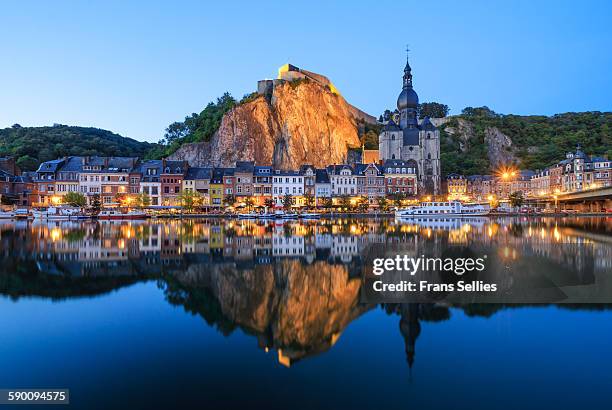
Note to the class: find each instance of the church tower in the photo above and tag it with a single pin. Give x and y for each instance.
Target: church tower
(411, 141)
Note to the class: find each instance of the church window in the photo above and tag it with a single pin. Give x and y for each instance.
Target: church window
(411, 149)
(393, 156)
(393, 137)
(428, 156)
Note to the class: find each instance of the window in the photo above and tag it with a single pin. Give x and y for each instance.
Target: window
(166, 190)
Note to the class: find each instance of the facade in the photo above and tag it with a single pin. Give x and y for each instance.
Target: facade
(323, 188)
(198, 180)
(216, 188)
(343, 180)
(243, 176)
(287, 183)
(262, 184)
(370, 181)
(456, 186)
(150, 180)
(400, 177)
(173, 173)
(408, 139)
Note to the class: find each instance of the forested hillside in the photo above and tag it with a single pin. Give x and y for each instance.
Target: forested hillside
(32, 145)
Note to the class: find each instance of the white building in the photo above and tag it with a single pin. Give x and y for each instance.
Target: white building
(343, 180)
(287, 183)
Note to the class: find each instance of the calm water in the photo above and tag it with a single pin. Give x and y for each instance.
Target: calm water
(221, 314)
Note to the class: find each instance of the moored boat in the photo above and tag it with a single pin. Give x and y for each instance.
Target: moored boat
(442, 210)
(310, 215)
(56, 213)
(115, 214)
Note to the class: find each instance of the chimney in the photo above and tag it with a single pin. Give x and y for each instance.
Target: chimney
(105, 162)
(85, 160)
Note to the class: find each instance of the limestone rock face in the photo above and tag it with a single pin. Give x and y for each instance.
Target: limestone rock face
(499, 147)
(303, 123)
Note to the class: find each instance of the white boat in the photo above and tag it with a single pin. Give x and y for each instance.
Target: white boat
(6, 214)
(310, 215)
(250, 215)
(56, 213)
(115, 214)
(442, 210)
(21, 213)
(266, 215)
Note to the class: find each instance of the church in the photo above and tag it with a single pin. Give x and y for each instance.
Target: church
(405, 138)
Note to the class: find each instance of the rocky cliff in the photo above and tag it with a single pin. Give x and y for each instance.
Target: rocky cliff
(303, 122)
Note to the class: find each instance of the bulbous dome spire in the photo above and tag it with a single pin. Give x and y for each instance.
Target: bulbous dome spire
(408, 98)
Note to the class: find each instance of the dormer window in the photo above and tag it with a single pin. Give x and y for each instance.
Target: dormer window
(178, 170)
(167, 170)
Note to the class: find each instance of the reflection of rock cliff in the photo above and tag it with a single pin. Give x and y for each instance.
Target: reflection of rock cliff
(300, 121)
(296, 308)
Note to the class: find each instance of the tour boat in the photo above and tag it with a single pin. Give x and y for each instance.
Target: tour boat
(56, 213)
(442, 210)
(6, 214)
(114, 214)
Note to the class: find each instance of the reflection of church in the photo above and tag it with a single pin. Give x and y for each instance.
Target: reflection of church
(410, 141)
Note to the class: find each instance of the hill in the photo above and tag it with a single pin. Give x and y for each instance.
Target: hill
(32, 145)
(479, 140)
(298, 122)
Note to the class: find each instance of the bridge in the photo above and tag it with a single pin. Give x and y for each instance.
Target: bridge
(588, 200)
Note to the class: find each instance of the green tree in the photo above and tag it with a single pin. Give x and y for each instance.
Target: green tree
(345, 202)
(142, 200)
(269, 203)
(189, 199)
(229, 200)
(383, 204)
(96, 204)
(397, 199)
(74, 199)
(248, 201)
(288, 202)
(363, 204)
(309, 200)
(516, 199)
(432, 110)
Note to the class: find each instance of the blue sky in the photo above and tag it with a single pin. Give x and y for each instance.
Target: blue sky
(134, 68)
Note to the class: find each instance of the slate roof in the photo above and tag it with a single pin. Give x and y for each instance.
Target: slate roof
(321, 176)
(199, 173)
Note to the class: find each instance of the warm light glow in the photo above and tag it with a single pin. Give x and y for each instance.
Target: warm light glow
(56, 234)
(56, 199)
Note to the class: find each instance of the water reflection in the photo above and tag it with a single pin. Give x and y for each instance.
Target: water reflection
(293, 286)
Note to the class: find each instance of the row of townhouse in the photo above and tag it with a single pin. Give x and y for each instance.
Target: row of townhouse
(164, 180)
(576, 172)
(16, 187)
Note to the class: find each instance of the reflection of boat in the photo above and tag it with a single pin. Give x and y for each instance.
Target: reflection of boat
(310, 215)
(21, 213)
(442, 210)
(265, 216)
(446, 224)
(56, 213)
(113, 214)
(250, 215)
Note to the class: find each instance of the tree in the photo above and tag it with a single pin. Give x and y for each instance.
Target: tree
(328, 202)
(397, 199)
(432, 110)
(288, 202)
(516, 199)
(345, 201)
(269, 203)
(229, 200)
(96, 204)
(190, 199)
(248, 201)
(74, 199)
(120, 197)
(142, 200)
(308, 200)
(383, 204)
(363, 204)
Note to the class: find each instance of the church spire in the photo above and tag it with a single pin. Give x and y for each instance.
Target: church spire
(407, 72)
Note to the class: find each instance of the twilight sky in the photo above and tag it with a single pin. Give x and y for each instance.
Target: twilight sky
(134, 68)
